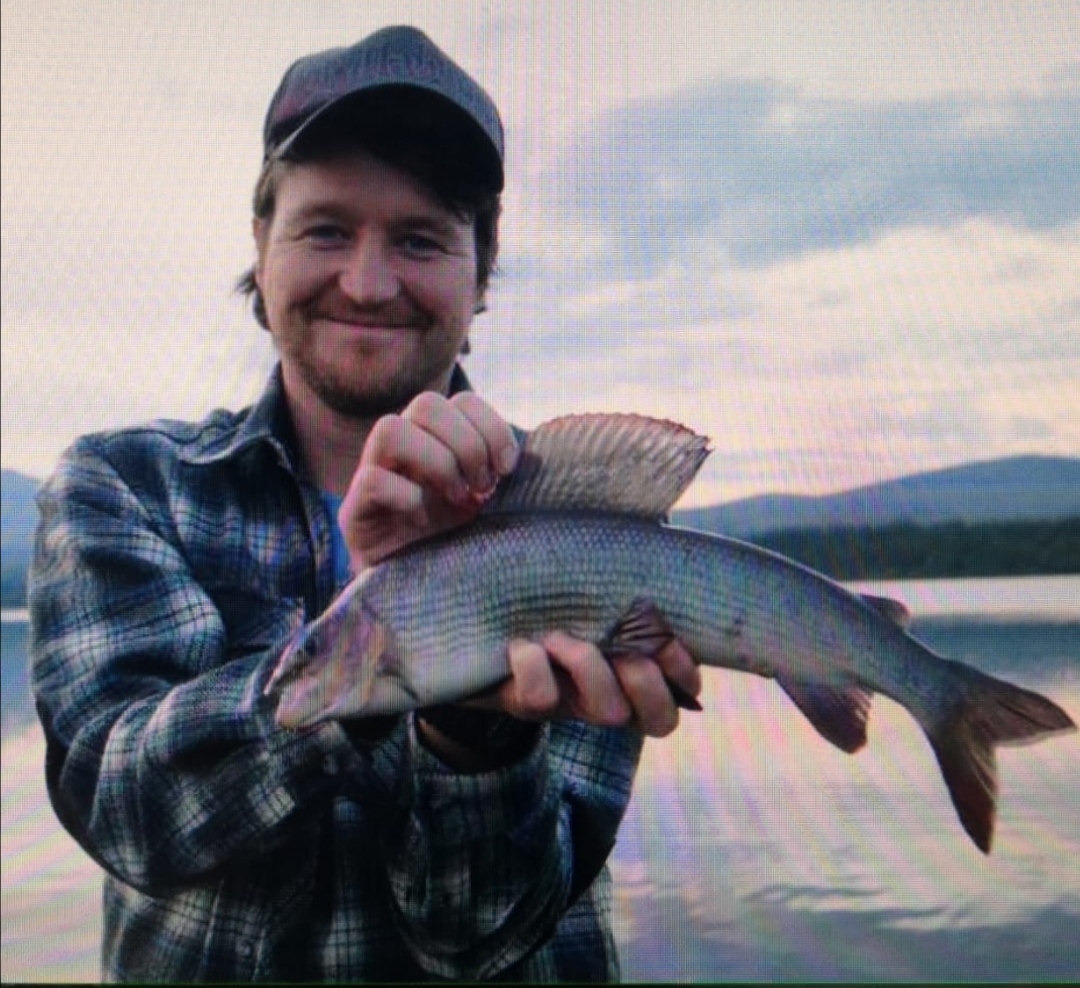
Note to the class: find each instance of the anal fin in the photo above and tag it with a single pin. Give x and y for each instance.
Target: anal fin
(838, 714)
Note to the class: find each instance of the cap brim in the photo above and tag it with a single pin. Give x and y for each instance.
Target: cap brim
(410, 107)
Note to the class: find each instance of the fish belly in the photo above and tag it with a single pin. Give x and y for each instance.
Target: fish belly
(453, 606)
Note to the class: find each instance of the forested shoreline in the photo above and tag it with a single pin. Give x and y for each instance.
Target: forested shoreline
(953, 550)
(890, 552)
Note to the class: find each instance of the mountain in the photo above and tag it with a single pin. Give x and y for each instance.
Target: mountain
(18, 519)
(1016, 489)
(1021, 488)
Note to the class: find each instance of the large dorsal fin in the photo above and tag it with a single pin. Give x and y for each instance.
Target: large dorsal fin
(623, 463)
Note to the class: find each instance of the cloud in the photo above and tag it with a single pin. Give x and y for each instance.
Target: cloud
(840, 240)
(924, 347)
(769, 174)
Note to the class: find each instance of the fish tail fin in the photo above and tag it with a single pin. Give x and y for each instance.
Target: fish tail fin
(985, 713)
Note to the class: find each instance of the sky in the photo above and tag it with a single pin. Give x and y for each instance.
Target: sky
(840, 238)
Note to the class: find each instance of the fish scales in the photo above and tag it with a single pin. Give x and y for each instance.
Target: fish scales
(431, 623)
(521, 576)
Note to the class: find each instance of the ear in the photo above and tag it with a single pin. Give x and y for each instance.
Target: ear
(260, 230)
(480, 305)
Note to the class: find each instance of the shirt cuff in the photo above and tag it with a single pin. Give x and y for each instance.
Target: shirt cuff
(456, 808)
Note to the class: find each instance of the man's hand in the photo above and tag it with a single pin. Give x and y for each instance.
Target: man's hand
(424, 471)
(430, 469)
(566, 678)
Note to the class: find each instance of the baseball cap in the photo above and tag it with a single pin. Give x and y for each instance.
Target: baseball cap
(396, 62)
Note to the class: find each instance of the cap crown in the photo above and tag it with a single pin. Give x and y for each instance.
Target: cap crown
(394, 56)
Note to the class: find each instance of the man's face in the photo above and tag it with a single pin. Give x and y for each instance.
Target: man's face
(369, 284)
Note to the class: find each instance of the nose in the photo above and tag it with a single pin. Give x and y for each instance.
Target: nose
(370, 276)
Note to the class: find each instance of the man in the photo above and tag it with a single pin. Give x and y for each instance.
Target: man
(174, 562)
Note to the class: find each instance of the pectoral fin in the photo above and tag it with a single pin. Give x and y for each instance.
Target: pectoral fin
(644, 631)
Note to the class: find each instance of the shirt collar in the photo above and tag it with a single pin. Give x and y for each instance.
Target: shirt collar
(268, 421)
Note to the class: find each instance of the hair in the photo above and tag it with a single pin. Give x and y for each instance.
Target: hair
(409, 133)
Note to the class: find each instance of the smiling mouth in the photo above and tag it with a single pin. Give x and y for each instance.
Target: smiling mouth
(366, 324)
(370, 325)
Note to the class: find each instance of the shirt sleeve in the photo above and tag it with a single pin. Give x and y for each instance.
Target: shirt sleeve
(485, 865)
(163, 759)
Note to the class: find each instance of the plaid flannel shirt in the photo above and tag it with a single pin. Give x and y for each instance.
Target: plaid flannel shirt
(172, 563)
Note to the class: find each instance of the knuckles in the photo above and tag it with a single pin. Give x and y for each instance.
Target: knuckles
(386, 444)
(426, 408)
(563, 676)
(533, 693)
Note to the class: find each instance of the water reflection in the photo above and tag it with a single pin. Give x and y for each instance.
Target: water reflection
(755, 850)
(752, 849)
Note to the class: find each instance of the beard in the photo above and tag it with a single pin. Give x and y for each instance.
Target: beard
(367, 395)
(360, 402)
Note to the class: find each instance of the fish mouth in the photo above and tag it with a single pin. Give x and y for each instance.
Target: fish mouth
(297, 686)
(328, 666)
(294, 662)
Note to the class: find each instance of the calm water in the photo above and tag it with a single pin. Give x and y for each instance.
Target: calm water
(755, 850)
(752, 848)
(15, 705)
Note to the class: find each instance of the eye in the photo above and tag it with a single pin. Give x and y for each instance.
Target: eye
(420, 245)
(327, 233)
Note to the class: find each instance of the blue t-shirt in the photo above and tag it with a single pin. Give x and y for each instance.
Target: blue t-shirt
(341, 551)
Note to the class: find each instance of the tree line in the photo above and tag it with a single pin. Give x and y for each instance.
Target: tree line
(889, 552)
(955, 549)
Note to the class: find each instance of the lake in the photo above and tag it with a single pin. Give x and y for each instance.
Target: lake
(752, 849)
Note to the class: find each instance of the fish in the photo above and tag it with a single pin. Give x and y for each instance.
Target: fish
(577, 539)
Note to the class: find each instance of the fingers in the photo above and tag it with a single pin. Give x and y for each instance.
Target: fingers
(658, 685)
(560, 679)
(482, 443)
(591, 689)
(404, 449)
(655, 711)
(532, 692)
(455, 447)
(565, 677)
(423, 471)
(680, 670)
